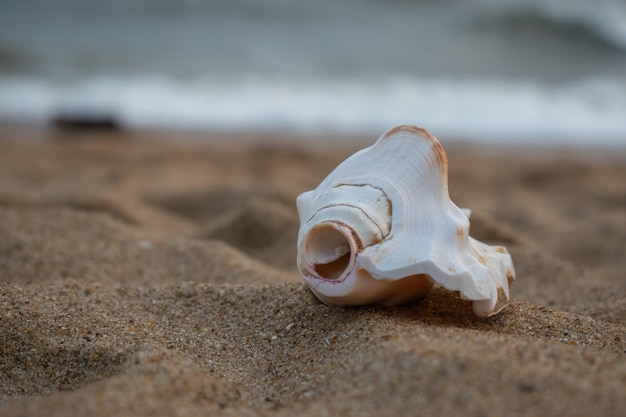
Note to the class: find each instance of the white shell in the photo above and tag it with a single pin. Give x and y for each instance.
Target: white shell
(381, 228)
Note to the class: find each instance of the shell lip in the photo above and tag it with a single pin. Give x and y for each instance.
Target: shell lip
(330, 263)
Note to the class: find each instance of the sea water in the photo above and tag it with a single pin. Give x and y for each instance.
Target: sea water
(531, 71)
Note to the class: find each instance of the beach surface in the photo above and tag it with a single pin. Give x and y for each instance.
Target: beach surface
(147, 274)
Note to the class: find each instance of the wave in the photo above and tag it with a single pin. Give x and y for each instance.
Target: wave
(585, 113)
(600, 20)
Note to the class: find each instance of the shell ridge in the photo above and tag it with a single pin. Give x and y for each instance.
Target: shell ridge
(383, 234)
(376, 158)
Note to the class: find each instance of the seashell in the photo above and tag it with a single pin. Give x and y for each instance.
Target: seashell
(381, 229)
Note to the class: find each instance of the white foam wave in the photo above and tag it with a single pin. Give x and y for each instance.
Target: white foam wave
(589, 112)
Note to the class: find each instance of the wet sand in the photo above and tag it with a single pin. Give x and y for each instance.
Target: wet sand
(141, 275)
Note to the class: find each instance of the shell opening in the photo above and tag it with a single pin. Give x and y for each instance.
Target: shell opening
(334, 269)
(328, 251)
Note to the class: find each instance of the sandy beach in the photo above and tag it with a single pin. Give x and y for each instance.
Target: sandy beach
(142, 275)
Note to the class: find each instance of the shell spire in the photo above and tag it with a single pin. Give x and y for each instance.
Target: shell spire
(381, 229)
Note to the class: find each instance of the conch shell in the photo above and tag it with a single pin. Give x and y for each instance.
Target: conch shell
(381, 229)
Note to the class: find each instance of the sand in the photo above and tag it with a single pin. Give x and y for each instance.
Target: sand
(143, 276)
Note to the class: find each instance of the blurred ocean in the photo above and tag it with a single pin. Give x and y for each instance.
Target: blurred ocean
(531, 71)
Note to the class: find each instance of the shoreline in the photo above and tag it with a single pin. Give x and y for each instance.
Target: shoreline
(309, 139)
